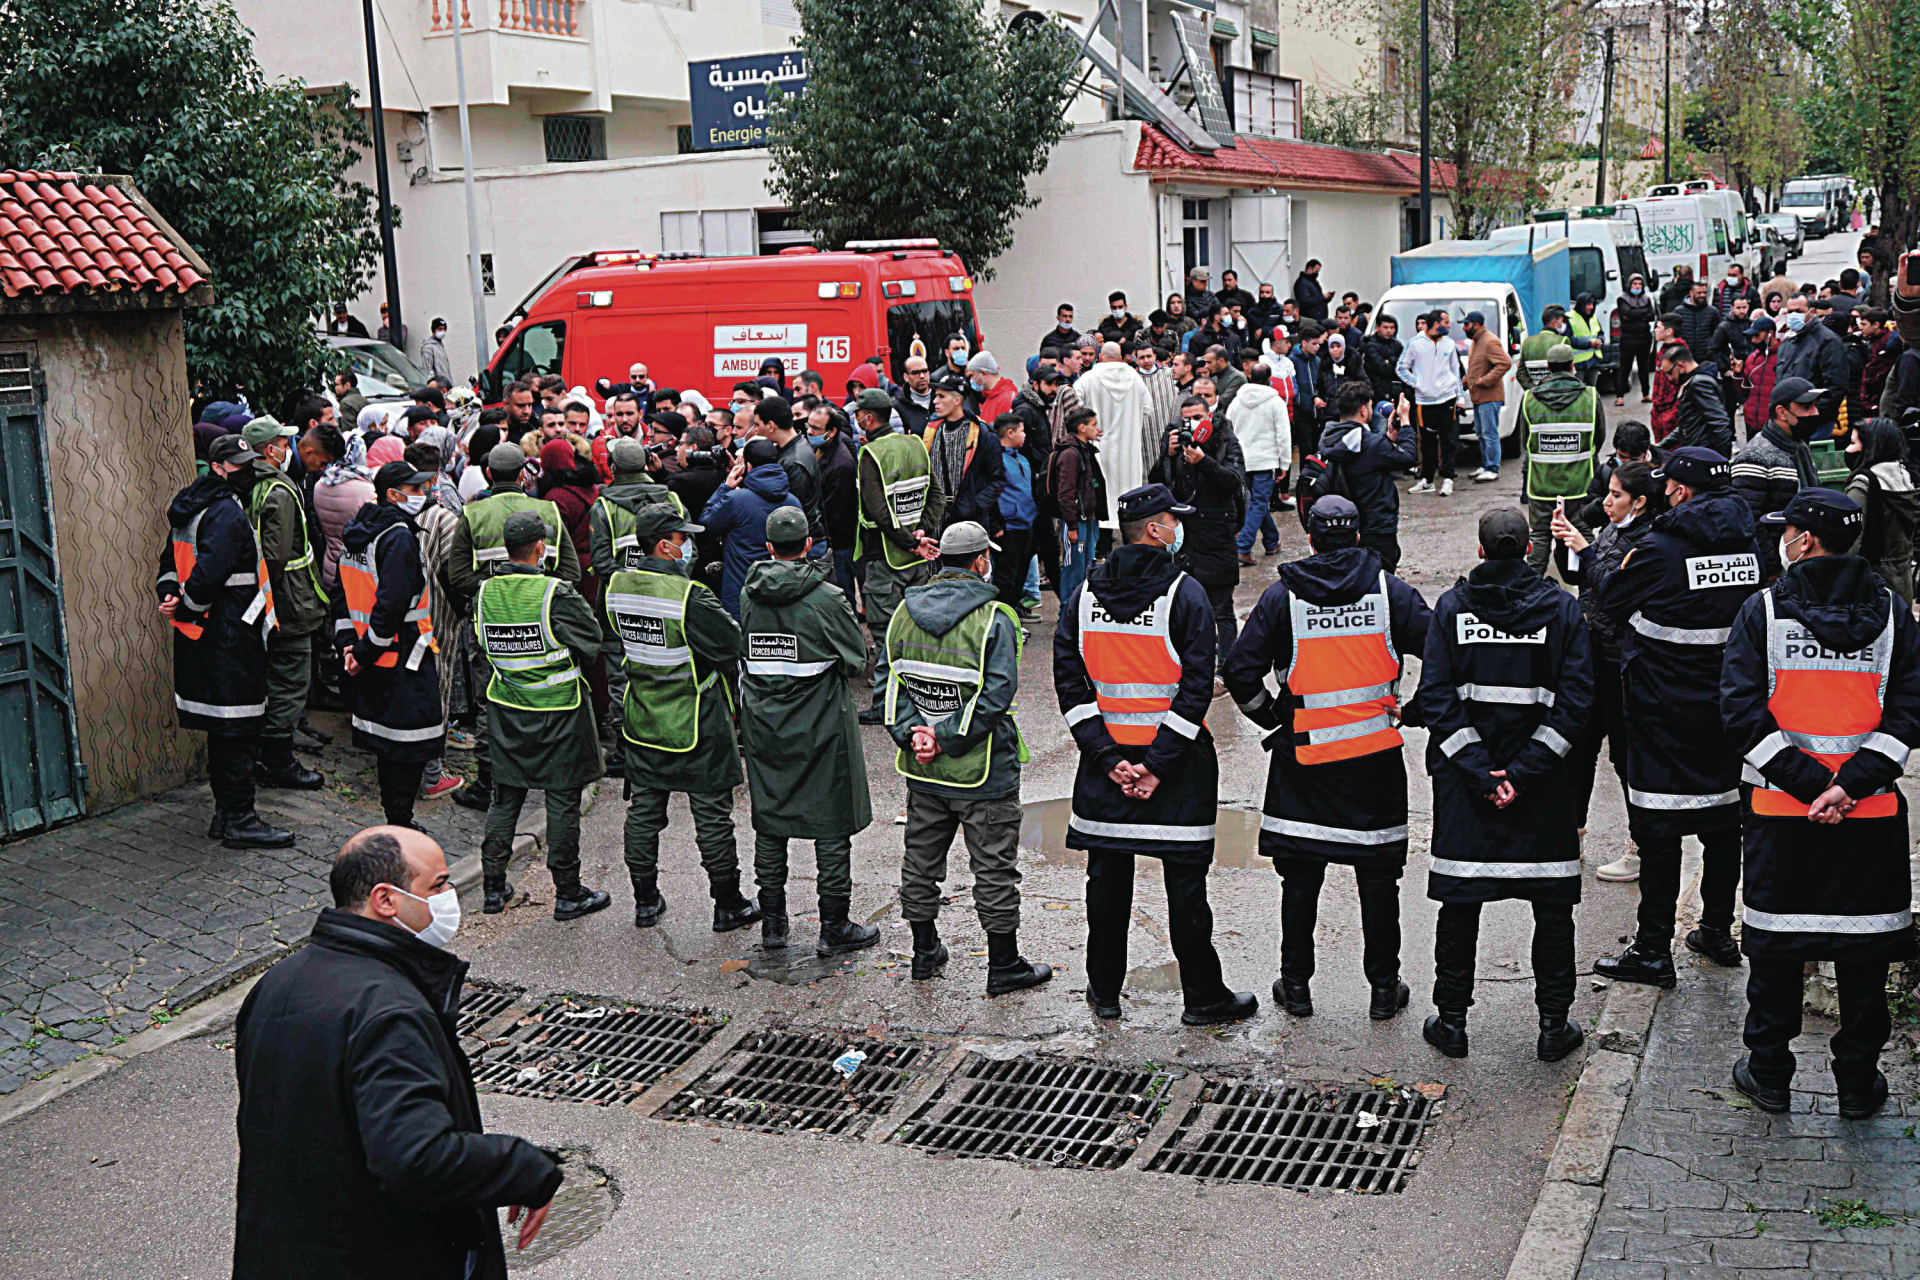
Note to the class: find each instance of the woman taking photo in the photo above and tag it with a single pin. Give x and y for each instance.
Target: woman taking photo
(1633, 498)
(1883, 485)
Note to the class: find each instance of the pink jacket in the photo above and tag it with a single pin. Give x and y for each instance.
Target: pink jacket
(335, 505)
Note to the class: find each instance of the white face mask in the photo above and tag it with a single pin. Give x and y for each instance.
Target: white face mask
(413, 503)
(445, 907)
(1119, 313)
(1786, 558)
(686, 551)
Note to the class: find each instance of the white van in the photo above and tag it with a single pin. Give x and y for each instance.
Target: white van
(1727, 205)
(1499, 303)
(1812, 201)
(1686, 230)
(1605, 251)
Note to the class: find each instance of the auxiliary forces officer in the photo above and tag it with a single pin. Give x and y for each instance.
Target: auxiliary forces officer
(1506, 686)
(1133, 663)
(279, 517)
(479, 551)
(678, 643)
(899, 501)
(1562, 428)
(214, 589)
(1334, 630)
(1822, 687)
(538, 635)
(805, 769)
(954, 666)
(1673, 600)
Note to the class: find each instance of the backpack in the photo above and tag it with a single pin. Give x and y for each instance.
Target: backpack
(1318, 477)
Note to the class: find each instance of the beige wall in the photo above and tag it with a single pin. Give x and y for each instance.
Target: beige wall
(117, 400)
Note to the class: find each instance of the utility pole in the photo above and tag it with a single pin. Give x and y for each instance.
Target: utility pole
(1666, 101)
(378, 110)
(1606, 114)
(1426, 134)
(480, 348)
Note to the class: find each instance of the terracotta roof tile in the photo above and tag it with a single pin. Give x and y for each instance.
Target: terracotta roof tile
(64, 233)
(1278, 162)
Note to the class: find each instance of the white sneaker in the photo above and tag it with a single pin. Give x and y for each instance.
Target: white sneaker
(1425, 486)
(1484, 476)
(1446, 488)
(1626, 869)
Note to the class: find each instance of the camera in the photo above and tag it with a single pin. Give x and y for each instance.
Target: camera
(717, 455)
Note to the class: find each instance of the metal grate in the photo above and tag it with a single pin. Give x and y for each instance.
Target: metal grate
(571, 139)
(1303, 1136)
(785, 1081)
(481, 1004)
(597, 1055)
(1062, 1113)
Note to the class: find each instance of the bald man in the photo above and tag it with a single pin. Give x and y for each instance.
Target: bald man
(361, 1147)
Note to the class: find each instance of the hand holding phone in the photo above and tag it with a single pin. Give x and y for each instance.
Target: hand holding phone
(1907, 281)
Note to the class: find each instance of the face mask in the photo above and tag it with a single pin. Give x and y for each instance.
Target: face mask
(1119, 313)
(1636, 290)
(1794, 320)
(1179, 538)
(818, 442)
(413, 503)
(445, 907)
(975, 384)
(1786, 558)
(957, 356)
(686, 552)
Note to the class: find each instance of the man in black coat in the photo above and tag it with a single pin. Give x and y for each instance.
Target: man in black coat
(1307, 292)
(1813, 351)
(361, 1148)
(1208, 475)
(1698, 318)
(1702, 419)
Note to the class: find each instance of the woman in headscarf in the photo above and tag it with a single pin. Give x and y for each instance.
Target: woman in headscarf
(344, 487)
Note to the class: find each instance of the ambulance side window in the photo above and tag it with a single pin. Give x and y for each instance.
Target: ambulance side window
(536, 350)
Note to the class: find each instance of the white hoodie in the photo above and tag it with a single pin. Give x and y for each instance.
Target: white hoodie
(1258, 415)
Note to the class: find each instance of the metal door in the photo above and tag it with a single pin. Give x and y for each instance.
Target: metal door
(41, 778)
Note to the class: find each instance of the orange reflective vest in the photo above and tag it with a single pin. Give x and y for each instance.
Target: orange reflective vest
(1828, 705)
(186, 554)
(1342, 674)
(360, 579)
(1134, 669)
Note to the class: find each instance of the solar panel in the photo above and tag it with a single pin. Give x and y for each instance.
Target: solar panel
(1190, 28)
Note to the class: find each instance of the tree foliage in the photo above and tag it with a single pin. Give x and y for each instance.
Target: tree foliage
(918, 120)
(1749, 82)
(1360, 118)
(251, 173)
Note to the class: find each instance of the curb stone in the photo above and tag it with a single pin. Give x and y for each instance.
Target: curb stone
(1555, 1238)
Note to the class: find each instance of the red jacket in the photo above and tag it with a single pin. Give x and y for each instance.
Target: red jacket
(1758, 377)
(997, 401)
(1666, 405)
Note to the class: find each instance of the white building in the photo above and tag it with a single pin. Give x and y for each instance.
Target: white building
(580, 115)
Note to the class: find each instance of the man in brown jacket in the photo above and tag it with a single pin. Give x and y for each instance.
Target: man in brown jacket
(1487, 365)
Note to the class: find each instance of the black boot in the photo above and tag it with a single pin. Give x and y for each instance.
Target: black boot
(277, 767)
(1558, 1037)
(1292, 995)
(648, 905)
(1237, 1007)
(1102, 1006)
(1447, 1032)
(929, 953)
(303, 729)
(616, 766)
(1716, 945)
(498, 893)
(1389, 998)
(730, 910)
(250, 831)
(1765, 1097)
(217, 829)
(773, 919)
(571, 899)
(875, 714)
(1857, 1103)
(475, 795)
(836, 934)
(1640, 963)
(1007, 969)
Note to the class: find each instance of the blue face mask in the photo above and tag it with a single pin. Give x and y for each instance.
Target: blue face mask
(818, 442)
(1179, 538)
(1794, 320)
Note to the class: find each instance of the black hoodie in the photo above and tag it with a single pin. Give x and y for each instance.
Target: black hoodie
(224, 670)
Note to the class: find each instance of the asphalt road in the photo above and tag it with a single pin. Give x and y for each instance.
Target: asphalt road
(132, 1174)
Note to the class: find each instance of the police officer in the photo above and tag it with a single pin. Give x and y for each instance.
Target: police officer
(1506, 686)
(1133, 663)
(479, 551)
(279, 517)
(805, 769)
(678, 643)
(1334, 630)
(613, 547)
(1672, 600)
(1563, 429)
(385, 629)
(899, 501)
(1822, 688)
(538, 636)
(953, 654)
(215, 590)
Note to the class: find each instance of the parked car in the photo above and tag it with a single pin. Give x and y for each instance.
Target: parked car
(381, 369)
(1792, 235)
(1772, 249)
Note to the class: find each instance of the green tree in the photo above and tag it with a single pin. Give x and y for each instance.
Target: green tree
(251, 173)
(1362, 118)
(918, 120)
(1744, 110)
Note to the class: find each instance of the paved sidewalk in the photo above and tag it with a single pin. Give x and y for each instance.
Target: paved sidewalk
(105, 921)
(1703, 1186)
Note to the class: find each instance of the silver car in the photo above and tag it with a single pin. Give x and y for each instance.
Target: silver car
(1792, 234)
(382, 371)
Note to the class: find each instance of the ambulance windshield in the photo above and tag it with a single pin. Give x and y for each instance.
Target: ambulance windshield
(933, 323)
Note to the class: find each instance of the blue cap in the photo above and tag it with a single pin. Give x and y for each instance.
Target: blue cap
(1697, 468)
(1149, 500)
(1822, 512)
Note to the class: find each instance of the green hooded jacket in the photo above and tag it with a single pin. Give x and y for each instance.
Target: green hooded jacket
(938, 607)
(805, 769)
(714, 762)
(539, 750)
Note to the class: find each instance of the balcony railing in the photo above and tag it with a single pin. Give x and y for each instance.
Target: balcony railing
(528, 17)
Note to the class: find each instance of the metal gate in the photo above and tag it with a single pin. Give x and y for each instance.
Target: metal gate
(41, 778)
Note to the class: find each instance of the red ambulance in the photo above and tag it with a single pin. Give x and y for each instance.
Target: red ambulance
(707, 323)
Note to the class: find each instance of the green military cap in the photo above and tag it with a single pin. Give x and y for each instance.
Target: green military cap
(786, 524)
(523, 529)
(656, 520)
(265, 428)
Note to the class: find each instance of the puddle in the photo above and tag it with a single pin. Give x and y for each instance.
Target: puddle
(798, 965)
(1155, 977)
(1043, 831)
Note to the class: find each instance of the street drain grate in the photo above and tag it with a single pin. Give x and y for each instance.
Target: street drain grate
(1062, 1113)
(785, 1082)
(599, 1055)
(583, 1204)
(1354, 1138)
(481, 1004)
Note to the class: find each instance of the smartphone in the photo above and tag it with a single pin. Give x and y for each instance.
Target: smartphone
(1573, 557)
(1910, 272)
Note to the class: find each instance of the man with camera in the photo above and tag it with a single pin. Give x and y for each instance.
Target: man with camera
(1201, 464)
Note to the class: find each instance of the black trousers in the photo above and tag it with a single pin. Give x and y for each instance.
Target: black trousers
(1437, 439)
(1635, 355)
(1608, 724)
(1046, 544)
(1773, 1019)
(1456, 943)
(399, 788)
(1010, 565)
(1660, 883)
(1300, 881)
(1225, 625)
(1189, 927)
(230, 763)
(1384, 545)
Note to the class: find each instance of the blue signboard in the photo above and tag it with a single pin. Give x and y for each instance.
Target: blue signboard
(729, 97)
